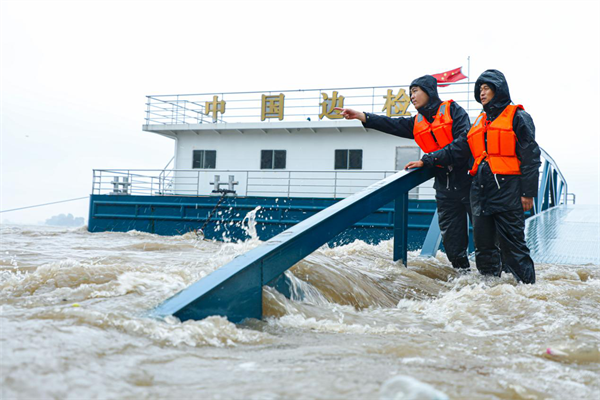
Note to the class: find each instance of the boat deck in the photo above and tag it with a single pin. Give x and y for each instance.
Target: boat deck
(565, 235)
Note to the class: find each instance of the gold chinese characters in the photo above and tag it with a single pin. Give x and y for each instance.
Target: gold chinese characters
(328, 105)
(395, 106)
(215, 107)
(272, 106)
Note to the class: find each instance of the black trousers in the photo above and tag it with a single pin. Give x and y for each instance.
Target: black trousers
(500, 245)
(454, 226)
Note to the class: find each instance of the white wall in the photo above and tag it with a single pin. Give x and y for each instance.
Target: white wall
(306, 151)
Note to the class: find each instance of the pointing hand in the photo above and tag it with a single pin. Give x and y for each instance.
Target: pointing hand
(349, 113)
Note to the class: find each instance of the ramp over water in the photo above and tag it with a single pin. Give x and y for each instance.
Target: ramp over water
(235, 290)
(568, 234)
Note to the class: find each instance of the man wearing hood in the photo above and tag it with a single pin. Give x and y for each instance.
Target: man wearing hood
(437, 125)
(505, 157)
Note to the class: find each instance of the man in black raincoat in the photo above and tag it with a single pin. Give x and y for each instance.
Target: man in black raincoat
(452, 182)
(498, 201)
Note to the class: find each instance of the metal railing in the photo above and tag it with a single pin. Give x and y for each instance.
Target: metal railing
(297, 105)
(166, 176)
(256, 183)
(553, 188)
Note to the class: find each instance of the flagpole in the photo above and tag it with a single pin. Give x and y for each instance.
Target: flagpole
(468, 84)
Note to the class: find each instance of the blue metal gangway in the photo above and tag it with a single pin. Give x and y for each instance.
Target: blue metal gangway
(235, 290)
(568, 234)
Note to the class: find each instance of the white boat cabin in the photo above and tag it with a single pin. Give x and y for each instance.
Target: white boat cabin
(288, 143)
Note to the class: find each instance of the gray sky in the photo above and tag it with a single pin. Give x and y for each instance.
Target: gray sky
(74, 75)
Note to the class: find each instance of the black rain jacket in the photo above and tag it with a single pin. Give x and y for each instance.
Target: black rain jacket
(491, 194)
(452, 180)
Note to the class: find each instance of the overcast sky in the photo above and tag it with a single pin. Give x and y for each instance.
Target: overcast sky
(74, 75)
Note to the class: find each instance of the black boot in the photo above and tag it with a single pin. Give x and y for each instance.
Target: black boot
(461, 264)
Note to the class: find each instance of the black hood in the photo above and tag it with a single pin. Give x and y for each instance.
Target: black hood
(496, 80)
(429, 85)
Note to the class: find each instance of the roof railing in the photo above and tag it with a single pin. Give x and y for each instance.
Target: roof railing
(292, 105)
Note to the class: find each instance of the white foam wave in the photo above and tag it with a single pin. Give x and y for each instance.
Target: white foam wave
(212, 331)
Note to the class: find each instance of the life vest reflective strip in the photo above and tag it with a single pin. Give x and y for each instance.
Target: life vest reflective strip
(500, 148)
(434, 136)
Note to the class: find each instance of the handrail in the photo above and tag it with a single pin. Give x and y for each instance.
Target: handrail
(269, 183)
(293, 90)
(295, 105)
(551, 189)
(169, 163)
(163, 176)
(235, 290)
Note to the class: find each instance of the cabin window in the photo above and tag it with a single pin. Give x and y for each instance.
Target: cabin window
(272, 159)
(348, 159)
(205, 159)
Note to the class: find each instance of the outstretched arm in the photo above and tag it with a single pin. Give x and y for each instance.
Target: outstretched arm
(401, 127)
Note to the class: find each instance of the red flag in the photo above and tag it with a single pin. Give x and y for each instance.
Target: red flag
(454, 75)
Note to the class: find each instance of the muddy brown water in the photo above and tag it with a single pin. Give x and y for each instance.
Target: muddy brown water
(74, 325)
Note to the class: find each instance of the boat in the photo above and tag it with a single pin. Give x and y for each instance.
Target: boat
(281, 155)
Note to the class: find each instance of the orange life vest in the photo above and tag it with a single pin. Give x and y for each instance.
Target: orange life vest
(500, 151)
(434, 136)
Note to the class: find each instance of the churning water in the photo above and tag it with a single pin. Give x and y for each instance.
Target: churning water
(74, 325)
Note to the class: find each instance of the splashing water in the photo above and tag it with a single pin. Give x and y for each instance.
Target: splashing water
(74, 317)
(249, 223)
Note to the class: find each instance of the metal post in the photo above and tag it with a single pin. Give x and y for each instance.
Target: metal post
(432, 241)
(148, 110)
(559, 192)
(125, 185)
(198, 182)
(546, 203)
(401, 229)
(469, 86)
(555, 199)
(289, 182)
(335, 184)
(160, 183)
(373, 101)
(542, 188)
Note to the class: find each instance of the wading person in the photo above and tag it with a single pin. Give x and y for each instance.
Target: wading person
(505, 161)
(436, 126)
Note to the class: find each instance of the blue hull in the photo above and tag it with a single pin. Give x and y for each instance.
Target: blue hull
(177, 215)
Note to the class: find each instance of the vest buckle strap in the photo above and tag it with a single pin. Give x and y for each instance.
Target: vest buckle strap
(478, 161)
